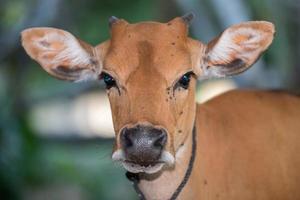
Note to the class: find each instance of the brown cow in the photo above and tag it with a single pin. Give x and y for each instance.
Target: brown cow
(240, 145)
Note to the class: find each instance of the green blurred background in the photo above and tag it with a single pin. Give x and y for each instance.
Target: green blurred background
(56, 137)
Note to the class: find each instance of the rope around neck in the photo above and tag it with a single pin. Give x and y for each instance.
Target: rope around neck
(134, 177)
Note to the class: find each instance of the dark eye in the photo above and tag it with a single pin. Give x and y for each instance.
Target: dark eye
(108, 80)
(184, 81)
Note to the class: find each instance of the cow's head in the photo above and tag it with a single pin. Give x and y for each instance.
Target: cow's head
(150, 70)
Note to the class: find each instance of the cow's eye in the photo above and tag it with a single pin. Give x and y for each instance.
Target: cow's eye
(108, 80)
(184, 81)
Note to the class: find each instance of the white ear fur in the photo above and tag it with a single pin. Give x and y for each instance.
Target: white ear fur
(236, 49)
(61, 54)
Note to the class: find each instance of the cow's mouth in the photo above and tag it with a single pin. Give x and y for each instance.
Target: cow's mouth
(137, 168)
(166, 159)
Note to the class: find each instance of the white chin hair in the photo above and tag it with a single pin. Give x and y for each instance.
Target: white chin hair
(135, 168)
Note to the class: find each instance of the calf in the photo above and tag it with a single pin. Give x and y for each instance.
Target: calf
(240, 145)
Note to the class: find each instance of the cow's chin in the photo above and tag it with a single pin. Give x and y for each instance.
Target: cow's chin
(136, 168)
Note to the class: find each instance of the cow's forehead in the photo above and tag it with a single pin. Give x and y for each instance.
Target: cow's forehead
(159, 34)
(161, 46)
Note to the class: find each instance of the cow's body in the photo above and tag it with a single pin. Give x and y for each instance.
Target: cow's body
(248, 145)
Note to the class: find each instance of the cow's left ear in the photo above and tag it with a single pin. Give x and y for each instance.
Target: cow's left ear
(236, 49)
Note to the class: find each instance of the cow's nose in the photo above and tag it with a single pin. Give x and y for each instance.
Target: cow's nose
(143, 145)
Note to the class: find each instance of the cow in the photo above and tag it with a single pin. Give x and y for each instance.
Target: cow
(243, 144)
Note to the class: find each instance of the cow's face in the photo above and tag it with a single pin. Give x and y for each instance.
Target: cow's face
(150, 71)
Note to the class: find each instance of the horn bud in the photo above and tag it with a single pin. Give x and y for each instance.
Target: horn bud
(187, 18)
(112, 20)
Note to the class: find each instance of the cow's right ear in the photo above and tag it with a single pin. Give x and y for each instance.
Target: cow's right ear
(61, 54)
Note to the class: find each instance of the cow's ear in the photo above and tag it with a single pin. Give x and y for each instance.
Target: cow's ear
(236, 49)
(61, 54)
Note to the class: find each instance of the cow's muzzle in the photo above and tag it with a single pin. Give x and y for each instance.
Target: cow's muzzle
(143, 145)
(143, 149)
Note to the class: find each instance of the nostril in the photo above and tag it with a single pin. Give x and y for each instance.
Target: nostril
(161, 140)
(126, 140)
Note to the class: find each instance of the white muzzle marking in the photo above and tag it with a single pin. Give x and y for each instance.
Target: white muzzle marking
(165, 159)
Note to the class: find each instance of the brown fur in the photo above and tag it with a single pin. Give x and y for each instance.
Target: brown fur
(247, 149)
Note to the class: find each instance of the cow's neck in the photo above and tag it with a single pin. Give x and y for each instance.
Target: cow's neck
(163, 185)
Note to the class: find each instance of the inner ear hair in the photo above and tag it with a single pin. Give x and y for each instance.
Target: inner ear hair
(236, 49)
(234, 67)
(70, 73)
